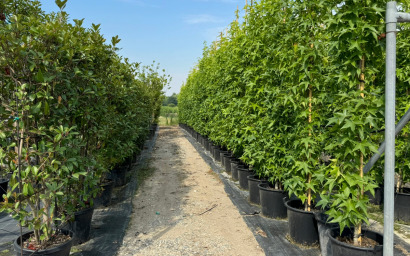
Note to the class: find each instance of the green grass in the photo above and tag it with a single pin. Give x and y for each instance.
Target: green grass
(168, 121)
(166, 110)
(168, 116)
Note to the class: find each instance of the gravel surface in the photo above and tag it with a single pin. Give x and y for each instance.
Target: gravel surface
(182, 209)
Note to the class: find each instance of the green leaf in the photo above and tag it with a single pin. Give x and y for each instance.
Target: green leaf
(61, 4)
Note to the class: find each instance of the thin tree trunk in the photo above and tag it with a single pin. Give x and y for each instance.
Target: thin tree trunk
(357, 236)
(309, 192)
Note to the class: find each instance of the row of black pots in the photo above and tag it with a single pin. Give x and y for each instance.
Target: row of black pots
(314, 224)
(305, 227)
(401, 202)
(312, 227)
(79, 228)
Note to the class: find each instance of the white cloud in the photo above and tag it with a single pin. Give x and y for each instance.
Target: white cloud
(202, 18)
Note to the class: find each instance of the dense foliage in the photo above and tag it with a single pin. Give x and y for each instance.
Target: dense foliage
(297, 91)
(171, 101)
(71, 109)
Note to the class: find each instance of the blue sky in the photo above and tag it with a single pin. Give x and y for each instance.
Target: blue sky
(171, 32)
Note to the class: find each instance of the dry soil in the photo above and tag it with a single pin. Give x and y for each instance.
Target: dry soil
(182, 209)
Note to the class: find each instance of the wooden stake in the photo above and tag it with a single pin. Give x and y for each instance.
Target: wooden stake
(361, 88)
(246, 9)
(361, 78)
(310, 105)
(309, 192)
(237, 13)
(399, 180)
(310, 134)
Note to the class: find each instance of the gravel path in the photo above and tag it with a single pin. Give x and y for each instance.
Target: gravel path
(182, 209)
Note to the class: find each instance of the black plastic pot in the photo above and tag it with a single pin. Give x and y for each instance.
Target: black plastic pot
(206, 143)
(222, 154)
(234, 170)
(227, 163)
(224, 159)
(81, 225)
(118, 174)
(402, 206)
(324, 227)
(271, 201)
(378, 197)
(105, 197)
(60, 250)
(243, 174)
(253, 185)
(342, 249)
(216, 154)
(3, 188)
(212, 150)
(302, 224)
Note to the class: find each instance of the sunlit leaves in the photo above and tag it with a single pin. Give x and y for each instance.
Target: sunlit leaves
(70, 109)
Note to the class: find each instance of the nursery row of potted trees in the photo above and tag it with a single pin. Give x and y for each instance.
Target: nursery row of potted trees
(296, 91)
(307, 228)
(72, 111)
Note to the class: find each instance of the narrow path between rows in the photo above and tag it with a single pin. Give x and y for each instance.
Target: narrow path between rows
(183, 209)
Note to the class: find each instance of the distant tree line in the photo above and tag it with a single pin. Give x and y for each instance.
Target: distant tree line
(171, 101)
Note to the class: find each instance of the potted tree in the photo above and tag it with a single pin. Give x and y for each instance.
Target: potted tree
(33, 148)
(358, 115)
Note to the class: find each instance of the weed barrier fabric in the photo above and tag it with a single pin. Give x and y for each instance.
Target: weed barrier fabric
(109, 224)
